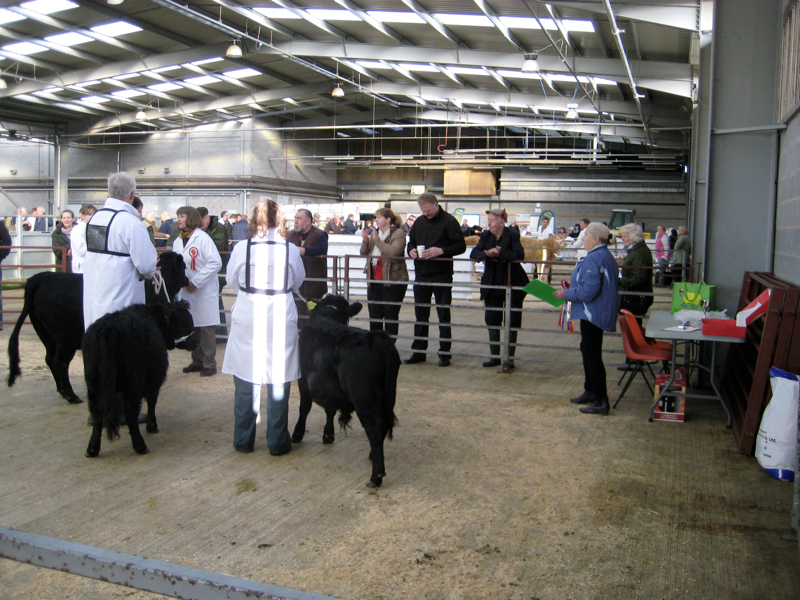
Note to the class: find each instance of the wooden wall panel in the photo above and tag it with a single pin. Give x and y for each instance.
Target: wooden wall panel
(459, 182)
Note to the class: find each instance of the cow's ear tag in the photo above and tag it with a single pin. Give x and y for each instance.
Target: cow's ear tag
(311, 304)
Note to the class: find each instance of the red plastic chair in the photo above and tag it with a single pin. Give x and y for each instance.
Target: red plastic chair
(640, 356)
(638, 334)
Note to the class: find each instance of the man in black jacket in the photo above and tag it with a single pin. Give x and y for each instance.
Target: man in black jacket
(437, 235)
(5, 240)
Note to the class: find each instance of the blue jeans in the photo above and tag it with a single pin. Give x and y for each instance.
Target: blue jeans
(246, 404)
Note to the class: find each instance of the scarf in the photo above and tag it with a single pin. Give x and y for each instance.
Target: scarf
(185, 234)
(382, 236)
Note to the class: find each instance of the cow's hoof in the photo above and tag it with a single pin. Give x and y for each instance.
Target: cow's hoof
(328, 439)
(74, 400)
(151, 428)
(142, 450)
(374, 484)
(297, 438)
(91, 453)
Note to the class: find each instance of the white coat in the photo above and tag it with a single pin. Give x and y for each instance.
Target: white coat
(578, 243)
(111, 282)
(204, 301)
(262, 346)
(77, 244)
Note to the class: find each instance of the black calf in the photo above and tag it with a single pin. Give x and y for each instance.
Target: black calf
(347, 369)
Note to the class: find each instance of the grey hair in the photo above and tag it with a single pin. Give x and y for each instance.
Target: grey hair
(634, 231)
(427, 198)
(120, 185)
(599, 231)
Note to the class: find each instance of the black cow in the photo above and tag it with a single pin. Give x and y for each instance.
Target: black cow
(348, 369)
(124, 360)
(54, 302)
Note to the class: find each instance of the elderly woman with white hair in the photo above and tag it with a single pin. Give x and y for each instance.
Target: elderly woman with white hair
(637, 269)
(593, 292)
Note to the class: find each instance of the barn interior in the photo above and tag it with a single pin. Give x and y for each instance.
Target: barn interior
(682, 111)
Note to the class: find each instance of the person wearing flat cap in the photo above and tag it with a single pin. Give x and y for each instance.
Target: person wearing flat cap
(497, 247)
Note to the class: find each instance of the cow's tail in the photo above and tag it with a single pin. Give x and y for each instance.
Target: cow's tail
(107, 397)
(14, 369)
(391, 369)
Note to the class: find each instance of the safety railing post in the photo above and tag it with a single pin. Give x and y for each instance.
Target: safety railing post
(347, 276)
(507, 318)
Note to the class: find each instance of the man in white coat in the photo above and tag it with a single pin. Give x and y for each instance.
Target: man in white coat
(119, 253)
(578, 243)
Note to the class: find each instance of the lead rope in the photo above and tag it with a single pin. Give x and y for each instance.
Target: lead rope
(158, 284)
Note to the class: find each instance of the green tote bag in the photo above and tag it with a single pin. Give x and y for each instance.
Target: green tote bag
(691, 296)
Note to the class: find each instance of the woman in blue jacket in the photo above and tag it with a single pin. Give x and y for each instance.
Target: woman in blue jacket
(593, 293)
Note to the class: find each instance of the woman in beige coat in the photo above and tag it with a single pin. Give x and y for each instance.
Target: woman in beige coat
(387, 279)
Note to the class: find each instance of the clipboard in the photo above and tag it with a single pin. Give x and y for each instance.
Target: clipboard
(543, 292)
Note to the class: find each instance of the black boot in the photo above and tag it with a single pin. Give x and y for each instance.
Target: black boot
(494, 348)
(585, 398)
(512, 348)
(599, 407)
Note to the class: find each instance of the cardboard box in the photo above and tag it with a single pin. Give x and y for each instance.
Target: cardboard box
(723, 327)
(671, 408)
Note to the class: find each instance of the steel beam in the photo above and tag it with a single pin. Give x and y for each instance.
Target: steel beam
(136, 572)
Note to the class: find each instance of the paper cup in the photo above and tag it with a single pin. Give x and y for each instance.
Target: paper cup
(420, 250)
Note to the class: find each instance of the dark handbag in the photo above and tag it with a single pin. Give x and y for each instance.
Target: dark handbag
(637, 304)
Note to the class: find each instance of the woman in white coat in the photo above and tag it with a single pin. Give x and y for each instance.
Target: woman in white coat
(203, 263)
(262, 346)
(77, 240)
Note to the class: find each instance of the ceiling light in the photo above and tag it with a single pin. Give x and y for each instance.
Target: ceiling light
(531, 64)
(233, 51)
(572, 113)
(141, 115)
(338, 92)
(3, 84)
(115, 2)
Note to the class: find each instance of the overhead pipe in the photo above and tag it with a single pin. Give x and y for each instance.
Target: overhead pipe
(621, 47)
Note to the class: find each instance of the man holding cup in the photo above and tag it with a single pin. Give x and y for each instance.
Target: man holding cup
(437, 235)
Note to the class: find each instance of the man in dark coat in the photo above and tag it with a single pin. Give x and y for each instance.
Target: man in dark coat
(60, 239)
(497, 246)
(438, 234)
(313, 245)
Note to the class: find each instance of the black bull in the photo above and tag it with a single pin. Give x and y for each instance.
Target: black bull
(347, 369)
(54, 302)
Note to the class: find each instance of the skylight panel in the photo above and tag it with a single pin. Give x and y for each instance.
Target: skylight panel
(468, 71)
(48, 7)
(127, 93)
(69, 39)
(207, 61)
(202, 80)
(167, 86)
(418, 67)
(520, 22)
(116, 28)
(290, 101)
(518, 74)
(391, 16)
(126, 76)
(373, 64)
(276, 13)
(579, 26)
(601, 81)
(557, 77)
(469, 20)
(333, 14)
(6, 16)
(94, 99)
(419, 100)
(24, 48)
(53, 90)
(242, 73)
(165, 69)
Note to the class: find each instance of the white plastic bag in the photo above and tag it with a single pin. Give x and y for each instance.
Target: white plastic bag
(776, 446)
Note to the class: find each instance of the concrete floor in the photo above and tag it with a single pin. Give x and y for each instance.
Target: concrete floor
(496, 487)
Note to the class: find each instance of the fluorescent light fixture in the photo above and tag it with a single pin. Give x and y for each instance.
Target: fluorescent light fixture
(69, 39)
(27, 98)
(276, 13)
(24, 48)
(53, 90)
(255, 106)
(242, 73)
(6, 16)
(233, 51)
(127, 94)
(94, 99)
(418, 67)
(373, 64)
(87, 83)
(48, 7)
(393, 16)
(468, 20)
(468, 70)
(338, 92)
(333, 14)
(207, 61)
(125, 76)
(290, 101)
(167, 86)
(165, 69)
(202, 80)
(116, 28)
(114, 2)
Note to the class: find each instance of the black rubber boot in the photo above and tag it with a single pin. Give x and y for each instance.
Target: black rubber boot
(494, 348)
(585, 398)
(599, 407)
(512, 348)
